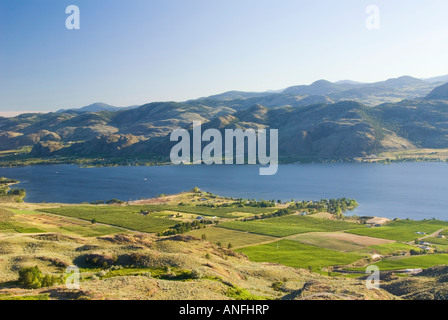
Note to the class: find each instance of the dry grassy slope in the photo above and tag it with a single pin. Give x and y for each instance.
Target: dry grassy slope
(181, 252)
(431, 284)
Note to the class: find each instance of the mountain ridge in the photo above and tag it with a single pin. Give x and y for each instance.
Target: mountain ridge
(311, 126)
(98, 107)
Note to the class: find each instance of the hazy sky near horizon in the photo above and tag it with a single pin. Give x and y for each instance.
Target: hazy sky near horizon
(138, 51)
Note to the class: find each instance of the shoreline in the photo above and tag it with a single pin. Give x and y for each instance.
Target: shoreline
(414, 155)
(162, 164)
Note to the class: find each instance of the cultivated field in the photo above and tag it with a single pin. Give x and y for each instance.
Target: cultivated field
(338, 241)
(403, 230)
(128, 217)
(289, 225)
(414, 262)
(226, 236)
(26, 221)
(389, 248)
(298, 255)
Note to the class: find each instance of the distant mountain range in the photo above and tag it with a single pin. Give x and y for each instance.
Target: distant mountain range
(323, 91)
(97, 107)
(324, 119)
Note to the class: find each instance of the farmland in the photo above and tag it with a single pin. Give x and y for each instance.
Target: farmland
(338, 241)
(25, 221)
(298, 255)
(226, 236)
(214, 232)
(415, 262)
(129, 216)
(402, 230)
(289, 225)
(389, 248)
(222, 212)
(125, 217)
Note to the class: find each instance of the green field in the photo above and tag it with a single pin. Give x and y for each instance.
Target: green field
(129, 216)
(415, 262)
(126, 217)
(403, 230)
(9, 225)
(23, 212)
(93, 231)
(338, 241)
(438, 241)
(289, 225)
(226, 236)
(389, 248)
(298, 255)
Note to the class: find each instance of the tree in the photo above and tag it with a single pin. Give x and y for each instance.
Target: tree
(229, 246)
(32, 278)
(204, 237)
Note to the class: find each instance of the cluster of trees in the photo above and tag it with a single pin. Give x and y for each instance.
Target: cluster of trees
(241, 203)
(4, 180)
(112, 201)
(6, 191)
(184, 227)
(33, 278)
(278, 213)
(259, 204)
(334, 206)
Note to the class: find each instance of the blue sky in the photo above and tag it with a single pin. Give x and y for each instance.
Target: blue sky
(138, 51)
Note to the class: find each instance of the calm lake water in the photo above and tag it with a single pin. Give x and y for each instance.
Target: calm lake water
(402, 190)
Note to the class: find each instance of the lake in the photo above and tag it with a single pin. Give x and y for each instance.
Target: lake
(402, 190)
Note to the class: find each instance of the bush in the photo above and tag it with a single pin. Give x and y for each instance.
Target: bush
(196, 274)
(278, 286)
(32, 278)
(242, 294)
(169, 274)
(100, 260)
